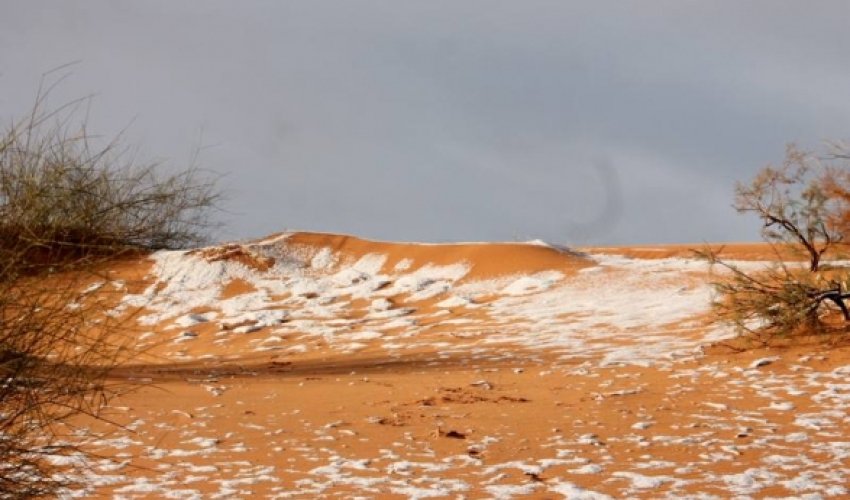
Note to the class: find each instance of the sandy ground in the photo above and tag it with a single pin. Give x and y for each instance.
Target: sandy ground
(312, 366)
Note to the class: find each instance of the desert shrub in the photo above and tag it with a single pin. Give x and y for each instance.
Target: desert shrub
(61, 195)
(66, 208)
(835, 181)
(801, 210)
(56, 350)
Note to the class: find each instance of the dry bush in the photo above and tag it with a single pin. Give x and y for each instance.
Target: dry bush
(801, 211)
(835, 181)
(56, 350)
(782, 299)
(66, 208)
(62, 196)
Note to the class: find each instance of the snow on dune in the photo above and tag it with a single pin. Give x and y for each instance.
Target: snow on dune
(621, 308)
(666, 426)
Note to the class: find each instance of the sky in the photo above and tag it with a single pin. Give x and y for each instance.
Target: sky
(576, 122)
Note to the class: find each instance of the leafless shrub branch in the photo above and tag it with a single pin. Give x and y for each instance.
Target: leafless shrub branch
(66, 208)
(801, 206)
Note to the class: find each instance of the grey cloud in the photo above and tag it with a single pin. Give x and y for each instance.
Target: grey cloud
(454, 120)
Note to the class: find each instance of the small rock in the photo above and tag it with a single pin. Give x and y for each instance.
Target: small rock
(743, 432)
(763, 362)
(455, 435)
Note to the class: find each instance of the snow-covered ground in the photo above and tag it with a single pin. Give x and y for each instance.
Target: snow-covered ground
(282, 370)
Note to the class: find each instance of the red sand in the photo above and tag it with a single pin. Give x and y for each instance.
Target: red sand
(470, 419)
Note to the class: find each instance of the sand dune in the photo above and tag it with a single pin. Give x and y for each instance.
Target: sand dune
(312, 365)
(486, 260)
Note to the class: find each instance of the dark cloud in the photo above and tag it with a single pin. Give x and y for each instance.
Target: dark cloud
(590, 122)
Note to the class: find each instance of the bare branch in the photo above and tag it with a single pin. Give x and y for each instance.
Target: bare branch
(804, 206)
(67, 206)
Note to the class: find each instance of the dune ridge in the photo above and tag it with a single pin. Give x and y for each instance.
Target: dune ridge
(309, 365)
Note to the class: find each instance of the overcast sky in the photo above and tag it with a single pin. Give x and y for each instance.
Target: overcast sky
(604, 122)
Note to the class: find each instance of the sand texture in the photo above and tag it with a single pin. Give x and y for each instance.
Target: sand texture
(322, 366)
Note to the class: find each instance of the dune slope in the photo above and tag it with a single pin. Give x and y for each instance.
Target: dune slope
(312, 365)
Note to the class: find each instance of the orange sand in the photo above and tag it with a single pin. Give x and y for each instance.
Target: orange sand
(377, 423)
